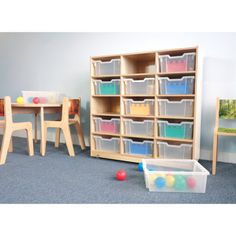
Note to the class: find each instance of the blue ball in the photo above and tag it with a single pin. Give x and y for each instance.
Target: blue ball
(160, 182)
(140, 167)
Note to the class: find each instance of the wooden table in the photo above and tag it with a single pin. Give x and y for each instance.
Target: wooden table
(37, 109)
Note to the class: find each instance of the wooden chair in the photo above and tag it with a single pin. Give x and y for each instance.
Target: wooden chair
(62, 124)
(74, 110)
(225, 109)
(9, 127)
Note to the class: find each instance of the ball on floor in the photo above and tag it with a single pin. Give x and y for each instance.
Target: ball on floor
(140, 167)
(121, 175)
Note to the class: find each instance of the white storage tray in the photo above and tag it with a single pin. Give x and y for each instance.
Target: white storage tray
(165, 175)
(182, 151)
(143, 128)
(137, 87)
(183, 108)
(107, 144)
(111, 67)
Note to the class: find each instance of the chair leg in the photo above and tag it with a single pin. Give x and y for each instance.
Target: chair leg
(35, 127)
(68, 139)
(5, 145)
(80, 135)
(58, 134)
(44, 141)
(30, 140)
(10, 149)
(214, 155)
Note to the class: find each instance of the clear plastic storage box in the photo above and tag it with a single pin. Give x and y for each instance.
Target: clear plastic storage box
(111, 67)
(107, 126)
(143, 128)
(183, 108)
(142, 148)
(182, 85)
(111, 87)
(44, 96)
(170, 151)
(107, 144)
(163, 175)
(145, 86)
(183, 130)
(142, 108)
(186, 62)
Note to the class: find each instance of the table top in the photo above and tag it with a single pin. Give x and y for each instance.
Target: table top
(36, 105)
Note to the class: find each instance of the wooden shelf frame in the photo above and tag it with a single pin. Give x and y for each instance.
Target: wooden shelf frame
(129, 69)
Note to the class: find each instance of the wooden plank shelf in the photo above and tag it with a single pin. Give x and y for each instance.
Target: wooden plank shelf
(106, 114)
(139, 75)
(106, 96)
(175, 139)
(139, 95)
(105, 134)
(175, 117)
(138, 116)
(176, 73)
(106, 76)
(176, 96)
(137, 136)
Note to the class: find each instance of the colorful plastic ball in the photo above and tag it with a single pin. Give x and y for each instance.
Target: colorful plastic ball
(120, 175)
(191, 182)
(160, 182)
(35, 100)
(43, 100)
(170, 181)
(20, 100)
(180, 182)
(140, 167)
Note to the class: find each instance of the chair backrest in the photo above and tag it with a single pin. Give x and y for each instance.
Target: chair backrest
(227, 109)
(74, 107)
(1, 107)
(5, 109)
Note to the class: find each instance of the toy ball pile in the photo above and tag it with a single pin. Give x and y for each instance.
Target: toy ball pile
(177, 182)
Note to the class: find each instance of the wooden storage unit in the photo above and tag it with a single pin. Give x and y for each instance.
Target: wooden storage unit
(138, 66)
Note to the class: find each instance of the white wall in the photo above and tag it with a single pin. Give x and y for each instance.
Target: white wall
(60, 61)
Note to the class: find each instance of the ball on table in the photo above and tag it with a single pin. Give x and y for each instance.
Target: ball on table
(170, 181)
(20, 100)
(160, 182)
(140, 167)
(36, 100)
(120, 175)
(180, 182)
(191, 182)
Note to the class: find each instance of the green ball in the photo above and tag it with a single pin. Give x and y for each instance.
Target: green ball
(180, 183)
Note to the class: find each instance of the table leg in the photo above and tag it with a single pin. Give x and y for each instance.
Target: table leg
(42, 130)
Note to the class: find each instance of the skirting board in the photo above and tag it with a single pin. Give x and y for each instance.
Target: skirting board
(222, 156)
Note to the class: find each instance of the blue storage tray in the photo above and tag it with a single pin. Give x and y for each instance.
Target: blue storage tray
(144, 148)
(183, 85)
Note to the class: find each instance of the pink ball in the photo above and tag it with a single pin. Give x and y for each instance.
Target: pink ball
(35, 100)
(121, 175)
(191, 182)
(43, 100)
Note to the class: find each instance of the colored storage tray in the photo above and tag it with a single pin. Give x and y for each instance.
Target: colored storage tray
(142, 108)
(111, 67)
(107, 126)
(186, 62)
(183, 130)
(145, 86)
(144, 128)
(183, 108)
(182, 85)
(107, 87)
(182, 151)
(144, 148)
(107, 144)
(44, 96)
(166, 175)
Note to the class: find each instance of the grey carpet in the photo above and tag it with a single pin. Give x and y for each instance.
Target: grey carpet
(57, 178)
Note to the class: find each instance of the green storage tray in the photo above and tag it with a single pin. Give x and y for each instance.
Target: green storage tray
(109, 89)
(181, 130)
